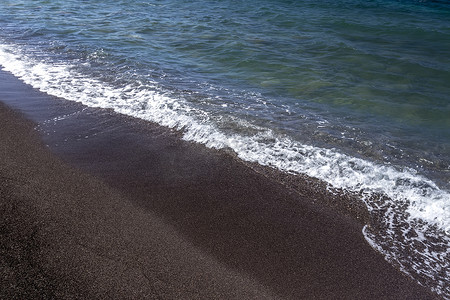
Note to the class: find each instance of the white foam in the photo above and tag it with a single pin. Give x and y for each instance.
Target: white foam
(427, 201)
(427, 263)
(424, 200)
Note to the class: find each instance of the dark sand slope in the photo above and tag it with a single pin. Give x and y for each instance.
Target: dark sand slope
(66, 235)
(233, 232)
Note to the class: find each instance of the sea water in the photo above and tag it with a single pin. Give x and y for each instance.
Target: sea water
(355, 93)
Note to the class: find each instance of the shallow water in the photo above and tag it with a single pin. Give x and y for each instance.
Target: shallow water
(352, 92)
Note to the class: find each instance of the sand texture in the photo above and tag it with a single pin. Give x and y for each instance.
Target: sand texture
(137, 213)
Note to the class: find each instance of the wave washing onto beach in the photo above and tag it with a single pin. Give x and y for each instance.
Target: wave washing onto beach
(411, 214)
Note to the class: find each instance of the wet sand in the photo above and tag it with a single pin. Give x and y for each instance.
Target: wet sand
(103, 206)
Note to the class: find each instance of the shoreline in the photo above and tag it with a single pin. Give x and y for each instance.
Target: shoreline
(223, 229)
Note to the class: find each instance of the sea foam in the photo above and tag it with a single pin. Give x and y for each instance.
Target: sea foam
(426, 201)
(407, 200)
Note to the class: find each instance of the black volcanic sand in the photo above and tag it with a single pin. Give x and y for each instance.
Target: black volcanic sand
(118, 208)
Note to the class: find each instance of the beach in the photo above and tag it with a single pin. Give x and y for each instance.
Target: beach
(299, 144)
(100, 205)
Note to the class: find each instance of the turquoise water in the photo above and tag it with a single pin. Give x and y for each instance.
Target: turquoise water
(356, 93)
(370, 73)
